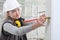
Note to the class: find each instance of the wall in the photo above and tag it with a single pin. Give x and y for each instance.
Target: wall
(55, 21)
(48, 12)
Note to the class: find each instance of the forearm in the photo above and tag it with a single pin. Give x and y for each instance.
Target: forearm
(25, 29)
(35, 25)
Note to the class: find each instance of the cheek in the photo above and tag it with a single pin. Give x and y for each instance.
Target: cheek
(11, 15)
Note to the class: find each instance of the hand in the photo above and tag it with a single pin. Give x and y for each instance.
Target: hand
(41, 20)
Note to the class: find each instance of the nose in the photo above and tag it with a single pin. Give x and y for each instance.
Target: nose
(17, 12)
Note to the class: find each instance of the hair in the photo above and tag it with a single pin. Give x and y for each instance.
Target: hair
(7, 15)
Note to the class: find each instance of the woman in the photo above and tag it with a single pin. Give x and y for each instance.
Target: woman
(10, 29)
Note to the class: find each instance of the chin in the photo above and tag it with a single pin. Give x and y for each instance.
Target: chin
(17, 17)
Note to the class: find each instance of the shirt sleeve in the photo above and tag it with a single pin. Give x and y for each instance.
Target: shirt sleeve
(17, 31)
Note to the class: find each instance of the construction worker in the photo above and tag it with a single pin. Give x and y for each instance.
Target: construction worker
(13, 27)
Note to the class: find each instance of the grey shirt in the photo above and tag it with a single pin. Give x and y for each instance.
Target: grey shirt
(17, 31)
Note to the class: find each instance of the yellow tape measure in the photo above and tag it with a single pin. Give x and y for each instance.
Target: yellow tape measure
(18, 23)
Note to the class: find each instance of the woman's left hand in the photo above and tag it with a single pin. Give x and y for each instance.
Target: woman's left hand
(41, 19)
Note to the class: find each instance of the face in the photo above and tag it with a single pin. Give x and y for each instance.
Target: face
(15, 14)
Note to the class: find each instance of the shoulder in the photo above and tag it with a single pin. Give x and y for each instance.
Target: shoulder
(7, 21)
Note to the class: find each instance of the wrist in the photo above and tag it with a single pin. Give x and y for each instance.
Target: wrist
(36, 25)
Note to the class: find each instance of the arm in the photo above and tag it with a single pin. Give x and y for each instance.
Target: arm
(17, 31)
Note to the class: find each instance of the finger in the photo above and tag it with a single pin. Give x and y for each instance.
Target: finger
(42, 19)
(39, 22)
(44, 16)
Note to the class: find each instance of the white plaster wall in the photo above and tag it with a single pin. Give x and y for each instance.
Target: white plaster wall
(55, 22)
